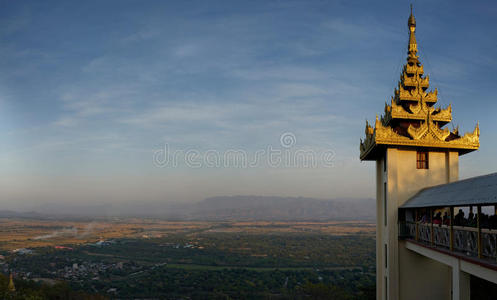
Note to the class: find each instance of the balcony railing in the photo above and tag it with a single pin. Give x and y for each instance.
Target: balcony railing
(468, 241)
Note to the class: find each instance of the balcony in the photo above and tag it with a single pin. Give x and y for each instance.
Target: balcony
(457, 218)
(476, 243)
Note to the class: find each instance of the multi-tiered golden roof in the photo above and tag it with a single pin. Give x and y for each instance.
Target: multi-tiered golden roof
(411, 119)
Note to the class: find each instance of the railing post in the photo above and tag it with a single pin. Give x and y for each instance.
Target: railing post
(478, 224)
(451, 232)
(431, 230)
(417, 225)
(495, 213)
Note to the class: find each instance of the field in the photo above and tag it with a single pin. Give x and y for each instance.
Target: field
(194, 259)
(25, 233)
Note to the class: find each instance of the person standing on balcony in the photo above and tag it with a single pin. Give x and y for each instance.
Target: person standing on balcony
(446, 219)
(459, 218)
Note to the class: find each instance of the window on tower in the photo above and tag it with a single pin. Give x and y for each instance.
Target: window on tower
(386, 257)
(422, 160)
(385, 216)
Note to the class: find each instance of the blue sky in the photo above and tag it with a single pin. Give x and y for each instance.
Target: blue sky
(90, 90)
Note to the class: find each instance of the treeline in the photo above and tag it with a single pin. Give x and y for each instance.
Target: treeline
(30, 290)
(177, 283)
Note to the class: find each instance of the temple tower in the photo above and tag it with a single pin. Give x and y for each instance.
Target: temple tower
(11, 287)
(412, 150)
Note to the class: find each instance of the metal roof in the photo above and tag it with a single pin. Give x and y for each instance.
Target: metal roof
(481, 190)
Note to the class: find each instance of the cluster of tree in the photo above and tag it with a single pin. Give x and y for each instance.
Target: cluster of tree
(176, 283)
(30, 290)
(228, 265)
(227, 250)
(173, 289)
(298, 249)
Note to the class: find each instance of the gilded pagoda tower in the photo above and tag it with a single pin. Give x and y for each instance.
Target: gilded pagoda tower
(413, 150)
(11, 287)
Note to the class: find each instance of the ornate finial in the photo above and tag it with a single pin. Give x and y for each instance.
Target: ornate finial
(413, 45)
(412, 21)
(455, 130)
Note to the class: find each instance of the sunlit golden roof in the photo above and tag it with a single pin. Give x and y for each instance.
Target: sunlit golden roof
(411, 118)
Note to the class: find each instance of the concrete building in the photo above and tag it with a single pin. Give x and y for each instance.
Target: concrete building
(413, 151)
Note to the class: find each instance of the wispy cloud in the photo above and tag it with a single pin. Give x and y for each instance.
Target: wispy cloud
(99, 96)
(141, 35)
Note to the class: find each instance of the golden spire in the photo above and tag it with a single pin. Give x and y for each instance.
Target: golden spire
(413, 45)
(412, 120)
(11, 287)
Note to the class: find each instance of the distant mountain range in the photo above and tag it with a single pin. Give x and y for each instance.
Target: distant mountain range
(283, 208)
(218, 209)
(16, 214)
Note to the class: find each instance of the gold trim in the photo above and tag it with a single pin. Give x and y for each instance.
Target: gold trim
(418, 112)
(415, 81)
(414, 70)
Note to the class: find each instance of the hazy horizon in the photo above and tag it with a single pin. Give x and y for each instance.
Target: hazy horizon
(225, 208)
(93, 94)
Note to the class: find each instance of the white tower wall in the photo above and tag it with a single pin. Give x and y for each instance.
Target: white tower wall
(402, 274)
